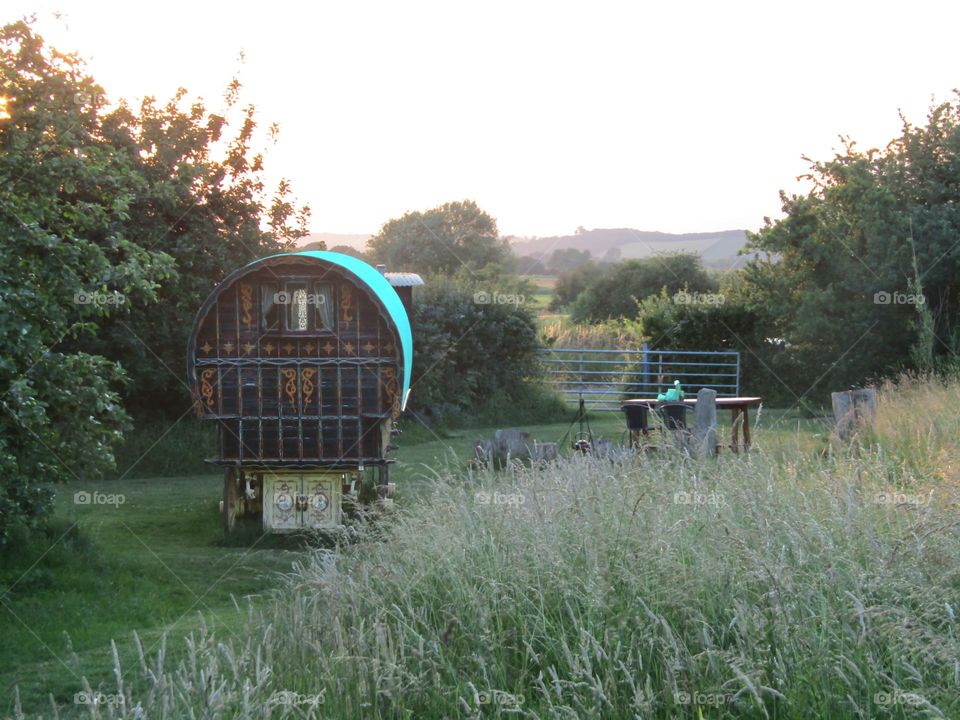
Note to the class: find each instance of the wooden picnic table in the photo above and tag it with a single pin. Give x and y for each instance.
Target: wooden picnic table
(739, 414)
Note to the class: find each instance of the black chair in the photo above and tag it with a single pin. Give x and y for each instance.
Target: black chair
(637, 417)
(673, 414)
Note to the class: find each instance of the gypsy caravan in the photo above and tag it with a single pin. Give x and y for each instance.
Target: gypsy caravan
(303, 360)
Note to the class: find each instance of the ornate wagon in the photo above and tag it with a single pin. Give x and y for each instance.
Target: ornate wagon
(303, 360)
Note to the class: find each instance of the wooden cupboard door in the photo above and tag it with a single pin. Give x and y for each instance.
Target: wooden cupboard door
(322, 506)
(282, 499)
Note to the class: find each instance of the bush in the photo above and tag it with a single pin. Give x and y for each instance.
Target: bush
(615, 293)
(736, 323)
(571, 283)
(469, 344)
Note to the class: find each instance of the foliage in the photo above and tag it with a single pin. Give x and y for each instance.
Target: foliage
(616, 293)
(858, 269)
(571, 283)
(201, 199)
(116, 225)
(343, 249)
(445, 239)
(69, 256)
(525, 265)
(563, 260)
(734, 320)
(471, 341)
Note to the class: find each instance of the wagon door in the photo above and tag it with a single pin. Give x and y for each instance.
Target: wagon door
(301, 501)
(322, 494)
(281, 502)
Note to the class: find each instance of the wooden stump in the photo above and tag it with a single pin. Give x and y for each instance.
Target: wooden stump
(545, 452)
(512, 444)
(852, 409)
(483, 451)
(704, 439)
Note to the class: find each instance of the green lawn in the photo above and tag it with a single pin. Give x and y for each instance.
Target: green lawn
(423, 450)
(157, 563)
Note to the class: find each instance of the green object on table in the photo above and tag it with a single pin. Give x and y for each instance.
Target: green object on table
(674, 394)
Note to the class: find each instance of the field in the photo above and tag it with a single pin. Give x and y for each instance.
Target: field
(543, 292)
(803, 580)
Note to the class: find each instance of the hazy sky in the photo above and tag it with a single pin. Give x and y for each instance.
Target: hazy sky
(678, 117)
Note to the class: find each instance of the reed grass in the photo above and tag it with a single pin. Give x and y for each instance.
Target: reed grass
(770, 585)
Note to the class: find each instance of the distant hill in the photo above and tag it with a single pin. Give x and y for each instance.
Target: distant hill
(718, 249)
(357, 242)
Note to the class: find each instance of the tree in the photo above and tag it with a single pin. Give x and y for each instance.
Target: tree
(201, 199)
(615, 293)
(566, 259)
(67, 262)
(570, 284)
(344, 249)
(446, 239)
(115, 227)
(869, 257)
(733, 320)
(612, 255)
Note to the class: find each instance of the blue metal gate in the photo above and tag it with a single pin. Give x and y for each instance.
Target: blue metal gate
(605, 377)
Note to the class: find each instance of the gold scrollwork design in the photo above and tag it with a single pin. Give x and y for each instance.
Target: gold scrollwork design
(291, 387)
(307, 375)
(246, 301)
(346, 303)
(391, 387)
(206, 388)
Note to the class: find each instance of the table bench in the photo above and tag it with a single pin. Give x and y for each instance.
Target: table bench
(739, 415)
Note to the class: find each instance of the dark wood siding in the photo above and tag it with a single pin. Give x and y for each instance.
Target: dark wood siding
(286, 396)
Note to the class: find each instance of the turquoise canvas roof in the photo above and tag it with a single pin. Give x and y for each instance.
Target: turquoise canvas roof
(383, 290)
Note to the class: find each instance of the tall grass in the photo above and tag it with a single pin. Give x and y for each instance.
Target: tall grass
(658, 587)
(918, 422)
(616, 334)
(598, 366)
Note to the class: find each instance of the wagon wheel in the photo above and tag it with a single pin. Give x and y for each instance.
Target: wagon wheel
(231, 504)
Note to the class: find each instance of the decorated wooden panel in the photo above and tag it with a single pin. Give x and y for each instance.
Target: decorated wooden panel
(298, 365)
